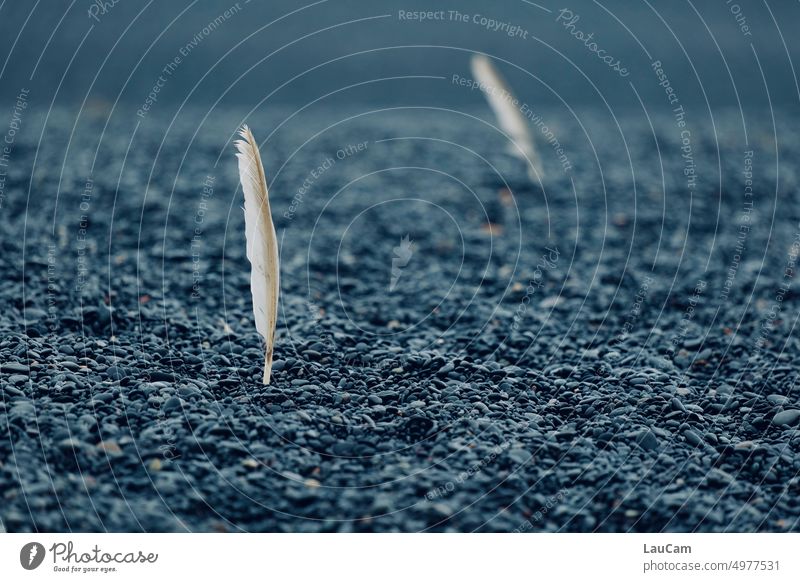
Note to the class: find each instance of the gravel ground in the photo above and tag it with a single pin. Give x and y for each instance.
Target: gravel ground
(613, 351)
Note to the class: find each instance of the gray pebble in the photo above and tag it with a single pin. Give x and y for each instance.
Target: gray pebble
(786, 417)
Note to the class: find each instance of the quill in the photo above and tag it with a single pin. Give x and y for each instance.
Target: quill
(262, 244)
(511, 120)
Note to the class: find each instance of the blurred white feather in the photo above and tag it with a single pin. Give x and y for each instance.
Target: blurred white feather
(262, 244)
(509, 117)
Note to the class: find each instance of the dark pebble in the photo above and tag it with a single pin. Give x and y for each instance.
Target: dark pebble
(15, 368)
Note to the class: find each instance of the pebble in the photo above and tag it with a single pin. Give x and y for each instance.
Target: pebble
(692, 437)
(12, 391)
(647, 440)
(110, 447)
(778, 399)
(786, 417)
(519, 456)
(677, 405)
(446, 369)
(172, 403)
(161, 376)
(15, 368)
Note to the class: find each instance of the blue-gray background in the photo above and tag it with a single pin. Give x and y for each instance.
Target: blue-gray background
(63, 56)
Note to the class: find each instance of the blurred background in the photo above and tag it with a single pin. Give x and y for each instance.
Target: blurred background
(291, 52)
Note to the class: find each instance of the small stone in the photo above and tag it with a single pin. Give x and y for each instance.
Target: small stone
(551, 302)
(446, 369)
(647, 440)
(519, 456)
(778, 399)
(692, 437)
(786, 418)
(482, 407)
(159, 376)
(704, 356)
(70, 444)
(172, 403)
(719, 477)
(442, 509)
(15, 368)
(11, 390)
(110, 447)
(115, 373)
(677, 405)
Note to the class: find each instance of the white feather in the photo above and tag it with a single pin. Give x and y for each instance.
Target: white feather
(262, 244)
(506, 109)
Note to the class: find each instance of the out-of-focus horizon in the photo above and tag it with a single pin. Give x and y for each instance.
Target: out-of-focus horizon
(292, 53)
